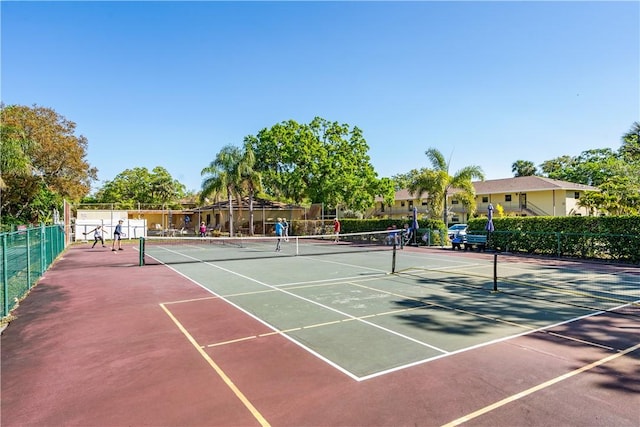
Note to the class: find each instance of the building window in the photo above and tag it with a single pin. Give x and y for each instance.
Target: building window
(424, 203)
(507, 197)
(402, 204)
(485, 199)
(576, 195)
(382, 207)
(454, 202)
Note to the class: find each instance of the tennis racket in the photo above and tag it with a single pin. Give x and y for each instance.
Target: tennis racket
(123, 235)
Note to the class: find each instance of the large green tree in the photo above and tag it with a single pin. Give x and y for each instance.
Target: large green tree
(615, 173)
(223, 176)
(614, 197)
(438, 183)
(14, 153)
(591, 167)
(138, 186)
(321, 162)
(42, 161)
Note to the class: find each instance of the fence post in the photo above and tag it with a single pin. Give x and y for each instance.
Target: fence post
(43, 249)
(5, 279)
(28, 258)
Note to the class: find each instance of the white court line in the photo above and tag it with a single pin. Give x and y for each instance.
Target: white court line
(268, 325)
(351, 265)
(337, 280)
(326, 307)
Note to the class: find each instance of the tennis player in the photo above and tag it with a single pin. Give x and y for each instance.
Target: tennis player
(285, 227)
(117, 237)
(279, 232)
(97, 235)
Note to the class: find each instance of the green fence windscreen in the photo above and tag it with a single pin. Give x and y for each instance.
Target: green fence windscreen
(24, 257)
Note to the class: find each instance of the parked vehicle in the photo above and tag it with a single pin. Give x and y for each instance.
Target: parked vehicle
(457, 231)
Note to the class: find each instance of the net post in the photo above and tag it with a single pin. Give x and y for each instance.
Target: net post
(141, 261)
(495, 272)
(393, 258)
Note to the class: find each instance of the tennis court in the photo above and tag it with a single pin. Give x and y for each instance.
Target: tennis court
(362, 333)
(345, 303)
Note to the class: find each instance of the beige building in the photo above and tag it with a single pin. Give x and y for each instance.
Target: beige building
(520, 196)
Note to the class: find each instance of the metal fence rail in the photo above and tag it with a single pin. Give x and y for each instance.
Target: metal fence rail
(25, 256)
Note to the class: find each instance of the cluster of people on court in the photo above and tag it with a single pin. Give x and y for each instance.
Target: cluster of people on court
(282, 230)
(117, 237)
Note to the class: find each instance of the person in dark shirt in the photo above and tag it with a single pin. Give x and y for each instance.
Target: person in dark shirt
(117, 237)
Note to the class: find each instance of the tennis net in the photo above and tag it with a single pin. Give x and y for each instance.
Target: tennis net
(174, 250)
(613, 288)
(591, 286)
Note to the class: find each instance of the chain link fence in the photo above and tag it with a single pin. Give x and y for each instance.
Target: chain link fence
(25, 255)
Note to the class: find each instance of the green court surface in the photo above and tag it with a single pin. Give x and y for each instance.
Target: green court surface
(350, 311)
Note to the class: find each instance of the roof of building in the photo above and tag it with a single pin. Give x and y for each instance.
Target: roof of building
(405, 195)
(526, 183)
(519, 184)
(257, 204)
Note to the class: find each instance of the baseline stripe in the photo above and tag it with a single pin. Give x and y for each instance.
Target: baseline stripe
(539, 387)
(257, 415)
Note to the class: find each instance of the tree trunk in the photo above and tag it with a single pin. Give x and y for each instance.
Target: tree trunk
(230, 213)
(251, 213)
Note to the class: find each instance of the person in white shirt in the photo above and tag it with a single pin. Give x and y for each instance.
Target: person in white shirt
(97, 235)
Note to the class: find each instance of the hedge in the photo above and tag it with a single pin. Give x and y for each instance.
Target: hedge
(611, 238)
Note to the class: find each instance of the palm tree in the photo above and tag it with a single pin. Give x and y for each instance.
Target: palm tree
(223, 176)
(251, 180)
(523, 168)
(631, 143)
(437, 182)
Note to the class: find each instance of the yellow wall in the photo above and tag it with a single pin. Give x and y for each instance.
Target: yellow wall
(542, 203)
(401, 209)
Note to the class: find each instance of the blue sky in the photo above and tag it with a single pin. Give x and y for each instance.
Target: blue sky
(170, 83)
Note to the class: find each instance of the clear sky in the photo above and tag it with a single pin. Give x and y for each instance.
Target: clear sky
(486, 83)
